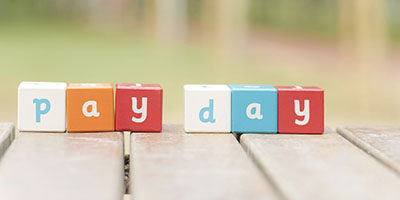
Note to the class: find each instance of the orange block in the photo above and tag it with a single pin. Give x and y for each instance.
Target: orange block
(90, 107)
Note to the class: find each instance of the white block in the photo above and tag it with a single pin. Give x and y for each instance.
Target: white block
(207, 108)
(41, 106)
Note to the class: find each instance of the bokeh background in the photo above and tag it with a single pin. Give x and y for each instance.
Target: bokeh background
(349, 48)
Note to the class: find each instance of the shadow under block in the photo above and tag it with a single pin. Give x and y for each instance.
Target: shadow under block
(323, 166)
(254, 109)
(138, 107)
(90, 107)
(381, 142)
(7, 135)
(174, 165)
(41, 106)
(50, 166)
(207, 108)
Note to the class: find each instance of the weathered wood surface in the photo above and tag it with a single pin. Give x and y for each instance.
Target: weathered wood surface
(60, 166)
(381, 142)
(7, 135)
(175, 165)
(321, 167)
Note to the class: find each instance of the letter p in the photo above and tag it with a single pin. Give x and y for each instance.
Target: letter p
(39, 110)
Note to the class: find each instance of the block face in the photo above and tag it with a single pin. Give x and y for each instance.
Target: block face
(207, 108)
(41, 106)
(138, 107)
(300, 109)
(254, 109)
(90, 107)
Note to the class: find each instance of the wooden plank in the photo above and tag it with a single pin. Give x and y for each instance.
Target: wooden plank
(175, 165)
(320, 167)
(63, 166)
(381, 142)
(7, 135)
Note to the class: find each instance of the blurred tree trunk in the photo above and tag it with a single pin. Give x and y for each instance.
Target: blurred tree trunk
(171, 20)
(143, 16)
(363, 28)
(363, 41)
(227, 22)
(106, 13)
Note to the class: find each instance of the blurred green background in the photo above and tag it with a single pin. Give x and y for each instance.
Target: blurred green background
(349, 48)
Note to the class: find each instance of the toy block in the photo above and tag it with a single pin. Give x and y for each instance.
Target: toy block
(138, 107)
(207, 108)
(90, 107)
(300, 109)
(41, 106)
(254, 109)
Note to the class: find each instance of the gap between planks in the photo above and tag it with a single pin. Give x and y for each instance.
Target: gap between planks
(127, 147)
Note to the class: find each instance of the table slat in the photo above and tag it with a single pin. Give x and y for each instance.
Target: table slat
(320, 167)
(7, 135)
(381, 142)
(63, 166)
(175, 165)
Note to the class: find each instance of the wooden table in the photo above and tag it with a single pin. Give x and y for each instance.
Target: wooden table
(63, 166)
(320, 167)
(355, 163)
(383, 143)
(7, 135)
(175, 165)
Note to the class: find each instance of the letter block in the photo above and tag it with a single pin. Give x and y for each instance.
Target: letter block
(300, 109)
(41, 106)
(207, 108)
(90, 107)
(254, 109)
(138, 107)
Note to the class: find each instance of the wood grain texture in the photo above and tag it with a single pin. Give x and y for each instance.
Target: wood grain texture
(175, 165)
(63, 166)
(324, 166)
(381, 142)
(7, 135)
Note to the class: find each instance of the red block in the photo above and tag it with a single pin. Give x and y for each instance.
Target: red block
(138, 107)
(300, 109)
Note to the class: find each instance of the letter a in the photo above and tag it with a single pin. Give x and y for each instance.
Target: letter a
(142, 110)
(39, 111)
(92, 113)
(210, 111)
(305, 113)
(257, 114)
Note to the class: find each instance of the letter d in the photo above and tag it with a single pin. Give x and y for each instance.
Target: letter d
(39, 111)
(210, 110)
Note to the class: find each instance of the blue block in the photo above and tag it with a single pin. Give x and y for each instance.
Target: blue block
(254, 109)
